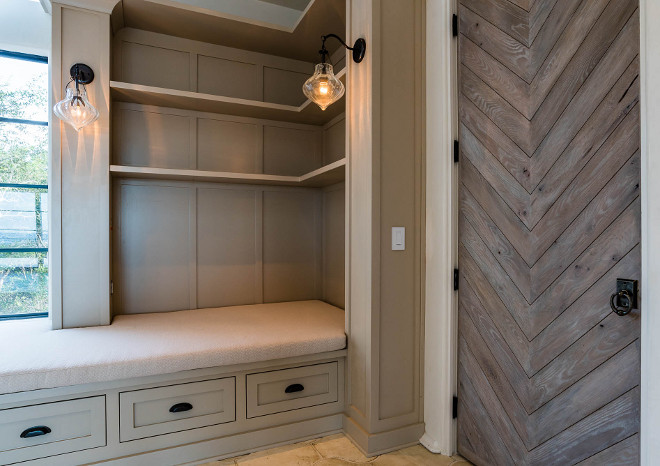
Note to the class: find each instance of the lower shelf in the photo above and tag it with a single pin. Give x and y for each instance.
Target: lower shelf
(325, 176)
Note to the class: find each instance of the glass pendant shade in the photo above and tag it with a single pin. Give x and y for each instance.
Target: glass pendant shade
(75, 109)
(323, 88)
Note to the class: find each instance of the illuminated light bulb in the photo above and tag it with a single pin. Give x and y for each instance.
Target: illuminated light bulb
(323, 88)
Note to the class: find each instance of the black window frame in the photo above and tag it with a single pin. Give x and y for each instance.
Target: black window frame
(37, 59)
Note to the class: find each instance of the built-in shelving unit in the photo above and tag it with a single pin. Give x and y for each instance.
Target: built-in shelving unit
(325, 176)
(307, 112)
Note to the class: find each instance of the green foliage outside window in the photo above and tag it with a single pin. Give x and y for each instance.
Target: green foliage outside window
(23, 210)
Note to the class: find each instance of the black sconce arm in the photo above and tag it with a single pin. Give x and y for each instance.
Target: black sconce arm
(358, 49)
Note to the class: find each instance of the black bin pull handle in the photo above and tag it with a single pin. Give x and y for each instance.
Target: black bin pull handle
(35, 431)
(181, 407)
(293, 388)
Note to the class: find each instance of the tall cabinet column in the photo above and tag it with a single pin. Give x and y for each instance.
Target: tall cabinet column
(79, 171)
(385, 189)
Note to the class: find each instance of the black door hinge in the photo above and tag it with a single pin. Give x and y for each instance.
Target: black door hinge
(455, 279)
(454, 25)
(454, 407)
(456, 151)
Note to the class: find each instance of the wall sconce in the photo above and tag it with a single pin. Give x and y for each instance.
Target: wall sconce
(75, 109)
(323, 88)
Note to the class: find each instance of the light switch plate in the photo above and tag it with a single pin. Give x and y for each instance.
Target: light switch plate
(398, 238)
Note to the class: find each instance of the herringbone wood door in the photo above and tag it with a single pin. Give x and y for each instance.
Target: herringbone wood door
(549, 219)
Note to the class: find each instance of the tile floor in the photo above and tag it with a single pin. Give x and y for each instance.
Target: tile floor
(337, 450)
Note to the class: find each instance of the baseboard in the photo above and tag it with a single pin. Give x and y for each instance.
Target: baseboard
(382, 442)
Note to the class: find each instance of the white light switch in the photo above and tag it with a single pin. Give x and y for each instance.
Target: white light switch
(398, 238)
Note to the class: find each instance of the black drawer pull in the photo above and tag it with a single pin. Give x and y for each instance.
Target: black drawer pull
(293, 388)
(35, 431)
(181, 407)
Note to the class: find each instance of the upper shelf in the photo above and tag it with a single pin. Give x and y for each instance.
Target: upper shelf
(325, 176)
(150, 95)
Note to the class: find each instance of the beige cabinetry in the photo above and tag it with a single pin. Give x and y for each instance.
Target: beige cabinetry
(223, 411)
(48, 429)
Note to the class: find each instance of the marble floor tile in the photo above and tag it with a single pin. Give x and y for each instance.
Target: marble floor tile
(340, 447)
(338, 450)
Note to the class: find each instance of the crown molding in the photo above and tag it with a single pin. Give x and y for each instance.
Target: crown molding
(102, 6)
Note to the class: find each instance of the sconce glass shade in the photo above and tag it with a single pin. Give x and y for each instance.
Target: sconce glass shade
(75, 109)
(323, 88)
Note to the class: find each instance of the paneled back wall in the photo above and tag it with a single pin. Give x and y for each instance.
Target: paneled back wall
(549, 219)
(182, 245)
(147, 136)
(151, 59)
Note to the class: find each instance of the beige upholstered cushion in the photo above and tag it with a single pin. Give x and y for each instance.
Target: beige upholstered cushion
(35, 357)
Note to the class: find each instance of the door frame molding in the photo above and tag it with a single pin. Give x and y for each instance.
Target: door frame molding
(441, 318)
(650, 191)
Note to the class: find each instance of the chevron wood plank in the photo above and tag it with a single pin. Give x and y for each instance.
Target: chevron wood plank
(505, 15)
(579, 110)
(608, 204)
(469, 434)
(499, 246)
(516, 197)
(475, 356)
(602, 254)
(538, 14)
(524, 4)
(617, 150)
(612, 423)
(501, 214)
(497, 277)
(610, 113)
(510, 52)
(585, 313)
(496, 142)
(603, 344)
(624, 453)
(501, 112)
(612, 379)
(489, 437)
(490, 404)
(477, 292)
(588, 57)
(560, 49)
(502, 80)
(552, 29)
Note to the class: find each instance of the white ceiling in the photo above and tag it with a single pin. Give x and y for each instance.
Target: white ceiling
(24, 27)
(277, 14)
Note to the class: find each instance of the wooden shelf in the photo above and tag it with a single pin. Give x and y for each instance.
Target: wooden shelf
(324, 176)
(149, 95)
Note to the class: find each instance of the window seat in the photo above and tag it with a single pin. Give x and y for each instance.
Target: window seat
(35, 357)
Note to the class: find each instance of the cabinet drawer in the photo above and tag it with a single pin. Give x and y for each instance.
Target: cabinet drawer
(51, 429)
(288, 389)
(162, 410)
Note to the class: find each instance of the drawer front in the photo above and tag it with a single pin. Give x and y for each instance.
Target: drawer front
(288, 389)
(163, 410)
(51, 429)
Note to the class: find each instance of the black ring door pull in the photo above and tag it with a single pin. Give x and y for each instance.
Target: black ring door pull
(621, 303)
(293, 388)
(181, 407)
(35, 431)
(625, 298)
